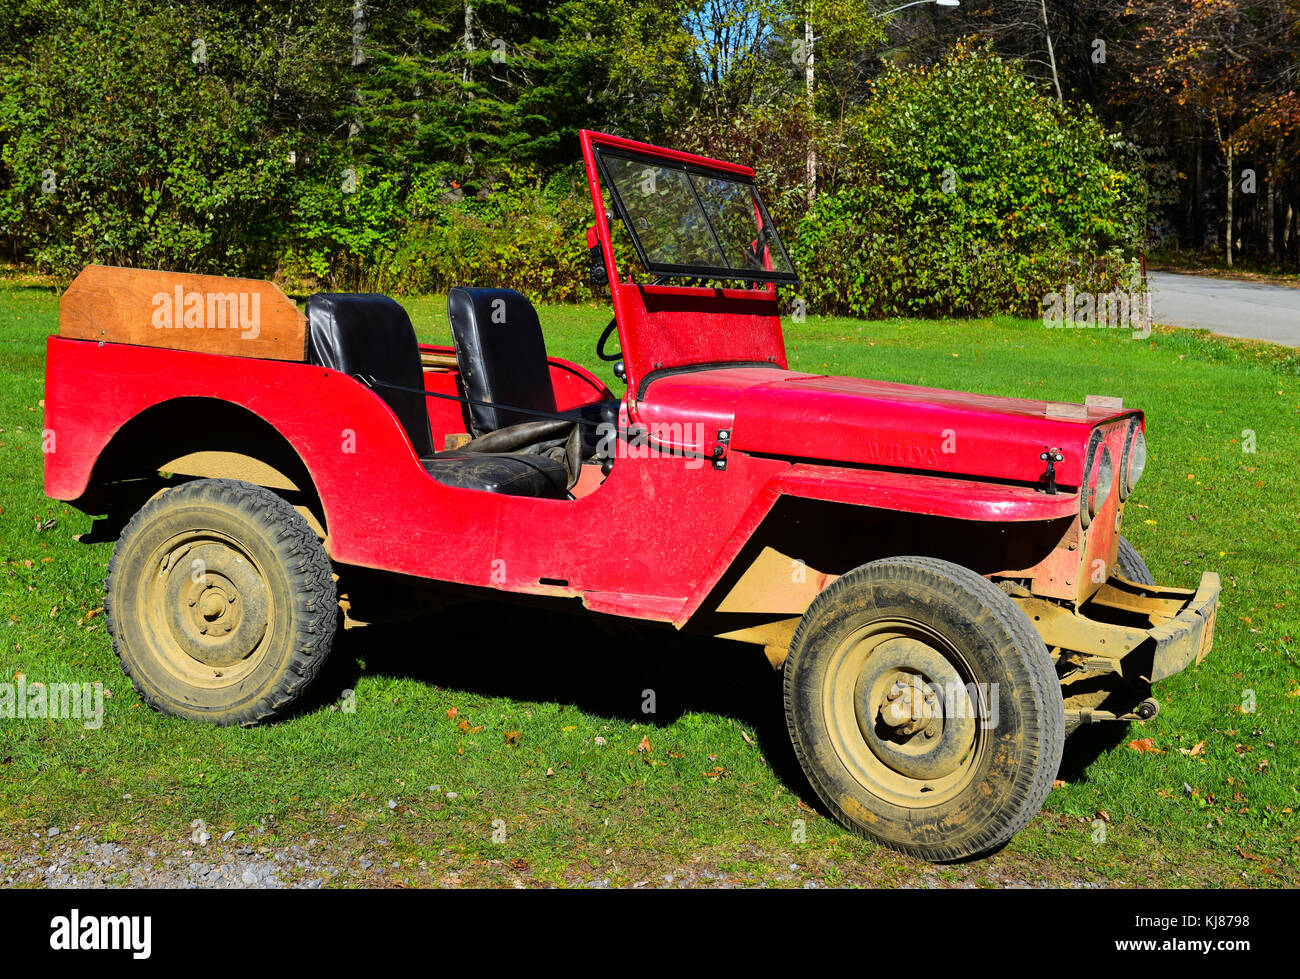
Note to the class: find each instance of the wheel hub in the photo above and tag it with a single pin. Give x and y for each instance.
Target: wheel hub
(911, 706)
(913, 710)
(216, 603)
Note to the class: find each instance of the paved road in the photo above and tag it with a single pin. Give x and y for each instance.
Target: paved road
(1239, 309)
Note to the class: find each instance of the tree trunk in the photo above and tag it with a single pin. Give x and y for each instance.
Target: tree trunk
(808, 81)
(1232, 181)
(1198, 191)
(1051, 51)
(466, 77)
(1270, 225)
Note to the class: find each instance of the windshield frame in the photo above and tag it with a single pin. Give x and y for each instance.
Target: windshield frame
(772, 238)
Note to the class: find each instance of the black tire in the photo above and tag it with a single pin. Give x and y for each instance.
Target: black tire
(240, 633)
(1131, 565)
(913, 608)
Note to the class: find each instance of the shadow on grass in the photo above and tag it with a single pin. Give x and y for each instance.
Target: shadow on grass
(1087, 745)
(604, 667)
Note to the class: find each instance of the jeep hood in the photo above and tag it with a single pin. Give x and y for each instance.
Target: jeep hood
(877, 424)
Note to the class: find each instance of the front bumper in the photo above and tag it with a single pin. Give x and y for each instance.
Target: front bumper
(1187, 638)
(1141, 634)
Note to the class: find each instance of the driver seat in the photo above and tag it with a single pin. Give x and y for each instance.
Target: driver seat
(502, 359)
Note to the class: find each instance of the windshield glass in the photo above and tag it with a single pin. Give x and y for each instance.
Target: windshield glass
(685, 220)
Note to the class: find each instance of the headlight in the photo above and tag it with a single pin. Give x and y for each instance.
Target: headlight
(1098, 478)
(1134, 461)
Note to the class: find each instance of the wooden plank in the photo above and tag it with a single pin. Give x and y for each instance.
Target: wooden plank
(430, 359)
(206, 313)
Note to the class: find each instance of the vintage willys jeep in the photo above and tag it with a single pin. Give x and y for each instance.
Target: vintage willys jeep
(940, 575)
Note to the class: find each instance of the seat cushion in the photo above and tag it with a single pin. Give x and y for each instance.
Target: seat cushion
(366, 333)
(501, 356)
(510, 473)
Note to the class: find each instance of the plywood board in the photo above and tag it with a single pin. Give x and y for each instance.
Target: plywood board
(206, 313)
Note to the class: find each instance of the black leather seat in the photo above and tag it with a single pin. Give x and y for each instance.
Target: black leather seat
(370, 334)
(502, 360)
(512, 473)
(366, 333)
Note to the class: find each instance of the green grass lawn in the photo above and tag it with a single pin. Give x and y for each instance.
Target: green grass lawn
(554, 744)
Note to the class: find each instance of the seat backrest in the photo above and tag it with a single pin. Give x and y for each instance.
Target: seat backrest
(501, 356)
(365, 333)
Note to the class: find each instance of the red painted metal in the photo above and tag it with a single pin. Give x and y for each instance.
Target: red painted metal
(873, 423)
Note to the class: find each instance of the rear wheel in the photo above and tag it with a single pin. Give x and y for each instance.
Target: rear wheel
(221, 602)
(924, 708)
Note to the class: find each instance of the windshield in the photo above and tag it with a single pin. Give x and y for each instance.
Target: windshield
(686, 220)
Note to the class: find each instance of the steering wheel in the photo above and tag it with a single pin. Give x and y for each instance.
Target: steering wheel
(610, 328)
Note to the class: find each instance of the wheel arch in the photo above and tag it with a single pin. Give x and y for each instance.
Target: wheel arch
(803, 544)
(198, 437)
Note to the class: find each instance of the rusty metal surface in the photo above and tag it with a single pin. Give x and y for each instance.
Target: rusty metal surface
(1189, 636)
(1181, 627)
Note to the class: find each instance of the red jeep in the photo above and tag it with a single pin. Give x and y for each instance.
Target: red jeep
(940, 575)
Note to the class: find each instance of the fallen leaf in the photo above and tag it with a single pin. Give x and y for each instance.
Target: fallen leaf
(451, 713)
(512, 737)
(1194, 751)
(1145, 746)
(645, 744)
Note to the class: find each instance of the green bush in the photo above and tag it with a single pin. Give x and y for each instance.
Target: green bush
(118, 147)
(525, 234)
(965, 191)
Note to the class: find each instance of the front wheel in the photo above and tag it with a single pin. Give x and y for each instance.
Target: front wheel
(221, 602)
(1131, 564)
(924, 708)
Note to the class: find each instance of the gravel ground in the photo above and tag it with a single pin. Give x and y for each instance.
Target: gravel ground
(76, 858)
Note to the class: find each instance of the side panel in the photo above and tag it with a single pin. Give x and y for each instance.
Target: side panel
(650, 542)
(644, 539)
